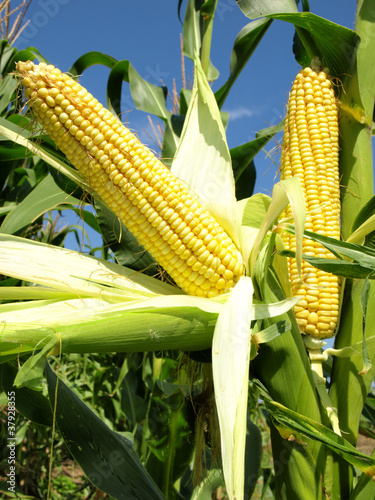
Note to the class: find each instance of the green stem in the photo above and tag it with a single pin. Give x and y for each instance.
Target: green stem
(349, 388)
(168, 468)
(357, 98)
(284, 368)
(356, 169)
(356, 165)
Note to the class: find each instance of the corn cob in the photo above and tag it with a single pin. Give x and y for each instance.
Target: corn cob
(155, 206)
(310, 152)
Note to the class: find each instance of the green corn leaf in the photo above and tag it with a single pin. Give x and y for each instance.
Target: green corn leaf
(290, 422)
(247, 152)
(342, 268)
(242, 160)
(364, 214)
(33, 405)
(253, 210)
(31, 373)
(118, 74)
(90, 59)
(168, 436)
(25, 55)
(6, 52)
(146, 96)
(253, 457)
(88, 218)
(197, 32)
(271, 332)
(367, 230)
(364, 303)
(359, 253)
(11, 151)
(132, 403)
(8, 87)
(365, 488)
(363, 228)
(332, 43)
(244, 45)
(364, 26)
(363, 257)
(171, 138)
(258, 8)
(107, 458)
(44, 197)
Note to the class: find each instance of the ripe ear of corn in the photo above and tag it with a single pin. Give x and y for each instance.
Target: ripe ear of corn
(310, 151)
(155, 206)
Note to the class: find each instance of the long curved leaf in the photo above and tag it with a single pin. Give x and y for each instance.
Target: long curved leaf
(198, 19)
(119, 73)
(46, 196)
(259, 8)
(244, 45)
(146, 96)
(332, 43)
(291, 422)
(107, 458)
(359, 253)
(33, 405)
(90, 59)
(242, 160)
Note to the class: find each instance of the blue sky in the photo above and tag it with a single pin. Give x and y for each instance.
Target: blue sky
(147, 33)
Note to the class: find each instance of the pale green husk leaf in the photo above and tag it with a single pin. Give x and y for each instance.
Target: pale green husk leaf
(230, 364)
(202, 158)
(74, 272)
(284, 192)
(366, 228)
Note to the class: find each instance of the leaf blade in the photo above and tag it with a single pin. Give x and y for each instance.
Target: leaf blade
(108, 459)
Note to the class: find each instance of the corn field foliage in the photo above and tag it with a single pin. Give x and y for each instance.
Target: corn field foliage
(126, 388)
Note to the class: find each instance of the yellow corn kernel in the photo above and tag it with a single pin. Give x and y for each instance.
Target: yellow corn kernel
(310, 151)
(155, 206)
